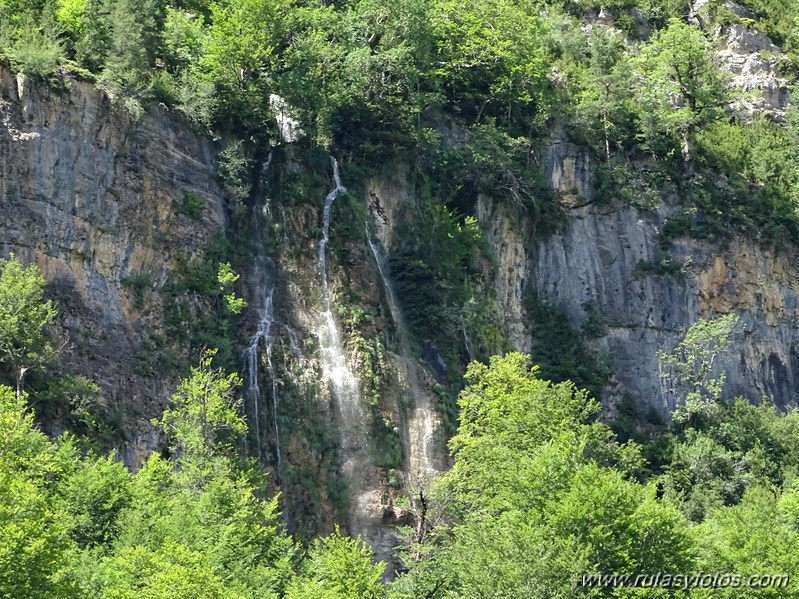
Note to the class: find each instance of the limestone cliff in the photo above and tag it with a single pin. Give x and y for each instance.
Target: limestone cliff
(97, 198)
(91, 195)
(600, 260)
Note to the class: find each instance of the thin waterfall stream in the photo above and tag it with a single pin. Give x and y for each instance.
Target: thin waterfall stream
(334, 358)
(263, 282)
(344, 386)
(423, 425)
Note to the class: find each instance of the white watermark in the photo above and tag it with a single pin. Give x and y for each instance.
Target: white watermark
(695, 580)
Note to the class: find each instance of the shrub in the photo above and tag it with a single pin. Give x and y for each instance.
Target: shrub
(33, 50)
(192, 206)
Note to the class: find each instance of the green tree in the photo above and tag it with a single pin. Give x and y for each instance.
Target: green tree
(338, 567)
(541, 494)
(381, 86)
(604, 99)
(507, 410)
(35, 542)
(693, 387)
(431, 265)
(165, 573)
(211, 522)
(740, 447)
(135, 43)
(71, 15)
(24, 317)
(751, 538)
(185, 35)
(243, 39)
(205, 418)
(32, 45)
(197, 523)
(681, 87)
(93, 492)
(91, 31)
(492, 56)
(226, 278)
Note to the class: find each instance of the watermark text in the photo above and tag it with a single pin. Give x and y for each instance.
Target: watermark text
(695, 580)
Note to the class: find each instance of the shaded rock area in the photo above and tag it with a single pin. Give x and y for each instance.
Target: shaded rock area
(607, 256)
(91, 196)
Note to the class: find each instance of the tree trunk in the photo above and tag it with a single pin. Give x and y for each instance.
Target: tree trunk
(688, 149)
(421, 525)
(20, 378)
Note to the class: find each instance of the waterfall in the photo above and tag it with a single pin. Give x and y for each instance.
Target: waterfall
(326, 215)
(423, 425)
(263, 283)
(467, 342)
(334, 363)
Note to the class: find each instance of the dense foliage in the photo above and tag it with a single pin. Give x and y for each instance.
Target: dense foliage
(472, 90)
(541, 494)
(197, 523)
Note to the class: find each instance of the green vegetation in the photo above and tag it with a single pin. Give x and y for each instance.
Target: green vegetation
(202, 303)
(24, 344)
(197, 523)
(471, 95)
(470, 91)
(540, 494)
(372, 369)
(338, 568)
(434, 269)
(32, 48)
(192, 206)
(227, 277)
(138, 282)
(561, 351)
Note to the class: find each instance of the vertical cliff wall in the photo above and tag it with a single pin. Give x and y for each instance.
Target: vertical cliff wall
(608, 259)
(93, 197)
(344, 404)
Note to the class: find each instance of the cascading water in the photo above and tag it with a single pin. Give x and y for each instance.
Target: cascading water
(336, 370)
(423, 426)
(263, 302)
(357, 464)
(467, 342)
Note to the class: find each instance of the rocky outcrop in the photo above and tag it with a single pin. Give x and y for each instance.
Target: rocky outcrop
(510, 270)
(749, 55)
(91, 195)
(752, 59)
(608, 258)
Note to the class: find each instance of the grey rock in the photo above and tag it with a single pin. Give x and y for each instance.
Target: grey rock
(90, 195)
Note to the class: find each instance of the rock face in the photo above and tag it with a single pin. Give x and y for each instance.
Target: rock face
(98, 200)
(91, 196)
(752, 59)
(603, 258)
(510, 272)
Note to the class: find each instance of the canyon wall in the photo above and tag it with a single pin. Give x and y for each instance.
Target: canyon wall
(91, 195)
(344, 407)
